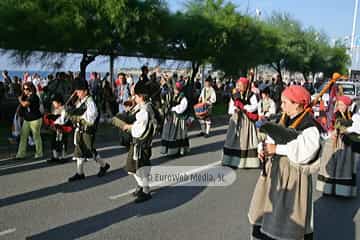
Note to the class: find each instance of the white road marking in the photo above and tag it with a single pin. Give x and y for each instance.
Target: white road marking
(122, 194)
(7, 159)
(11, 230)
(161, 184)
(45, 160)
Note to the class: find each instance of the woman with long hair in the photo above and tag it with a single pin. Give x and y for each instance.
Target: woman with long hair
(30, 111)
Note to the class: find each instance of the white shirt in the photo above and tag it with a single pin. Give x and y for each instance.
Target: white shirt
(180, 108)
(252, 107)
(272, 109)
(139, 126)
(208, 99)
(61, 119)
(91, 112)
(301, 150)
(355, 127)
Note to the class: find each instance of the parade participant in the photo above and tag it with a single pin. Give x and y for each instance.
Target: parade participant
(144, 74)
(153, 86)
(57, 122)
(85, 117)
(276, 89)
(266, 106)
(281, 206)
(122, 92)
(240, 149)
(30, 111)
(207, 96)
(142, 132)
(337, 174)
(166, 95)
(174, 139)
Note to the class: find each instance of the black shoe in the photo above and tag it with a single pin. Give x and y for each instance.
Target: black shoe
(103, 170)
(77, 177)
(63, 160)
(137, 191)
(201, 134)
(207, 135)
(52, 160)
(142, 197)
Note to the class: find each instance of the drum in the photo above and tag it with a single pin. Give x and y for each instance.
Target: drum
(201, 110)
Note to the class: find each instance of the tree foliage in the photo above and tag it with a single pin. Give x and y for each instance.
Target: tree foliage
(207, 31)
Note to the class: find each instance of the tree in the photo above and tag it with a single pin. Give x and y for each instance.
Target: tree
(336, 60)
(191, 37)
(287, 31)
(90, 27)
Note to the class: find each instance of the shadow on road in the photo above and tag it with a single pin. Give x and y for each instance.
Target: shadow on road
(165, 199)
(89, 182)
(15, 166)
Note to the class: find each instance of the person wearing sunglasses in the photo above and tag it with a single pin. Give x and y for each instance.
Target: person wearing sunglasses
(30, 111)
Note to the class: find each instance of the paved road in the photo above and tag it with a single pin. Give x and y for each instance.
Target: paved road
(36, 202)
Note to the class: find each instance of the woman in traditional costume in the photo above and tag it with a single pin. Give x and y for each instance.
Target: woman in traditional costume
(337, 174)
(281, 206)
(240, 149)
(174, 139)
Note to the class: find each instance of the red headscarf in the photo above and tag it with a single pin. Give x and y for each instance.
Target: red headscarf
(179, 86)
(345, 99)
(243, 80)
(297, 94)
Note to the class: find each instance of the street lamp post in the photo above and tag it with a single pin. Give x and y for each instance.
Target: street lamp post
(353, 32)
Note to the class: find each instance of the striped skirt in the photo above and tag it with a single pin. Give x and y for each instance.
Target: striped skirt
(337, 175)
(240, 149)
(174, 139)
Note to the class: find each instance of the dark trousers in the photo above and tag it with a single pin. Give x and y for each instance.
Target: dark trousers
(132, 165)
(59, 141)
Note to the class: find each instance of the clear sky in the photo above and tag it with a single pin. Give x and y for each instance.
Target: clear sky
(332, 16)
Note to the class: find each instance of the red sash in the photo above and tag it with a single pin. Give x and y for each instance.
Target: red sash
(250, 115)
(50, 121)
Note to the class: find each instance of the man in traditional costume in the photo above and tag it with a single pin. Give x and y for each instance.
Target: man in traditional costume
(240, 149)
(281, 206)
(174, 139)
(85, 117)
(207, 96)
(337, 174)
(142, 132)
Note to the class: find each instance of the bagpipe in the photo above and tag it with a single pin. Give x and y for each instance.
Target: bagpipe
(122, 119)
(281, 134)
(71, 108)
(49, 120)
